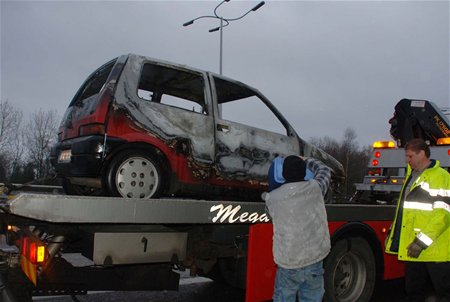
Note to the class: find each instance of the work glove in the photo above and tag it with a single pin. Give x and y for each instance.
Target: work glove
(415, 248)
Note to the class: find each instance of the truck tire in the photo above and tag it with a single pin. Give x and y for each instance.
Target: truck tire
(350, 271)
(134, 174)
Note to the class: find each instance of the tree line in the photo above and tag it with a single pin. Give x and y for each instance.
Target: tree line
(25, 147)
(25, 143)
(348, 152)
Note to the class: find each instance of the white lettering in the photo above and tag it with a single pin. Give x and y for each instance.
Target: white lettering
(253, 217)
(264, 218)
(225, 212)
(243, 217)
(232, 214)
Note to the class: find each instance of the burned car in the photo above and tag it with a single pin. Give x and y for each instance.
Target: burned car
(142, 128)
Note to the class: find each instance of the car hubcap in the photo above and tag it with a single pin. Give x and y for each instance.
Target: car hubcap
(137, 177)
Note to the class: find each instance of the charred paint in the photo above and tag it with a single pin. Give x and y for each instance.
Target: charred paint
(209, 148)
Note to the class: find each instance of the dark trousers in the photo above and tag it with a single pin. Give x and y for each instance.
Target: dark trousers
(416, 279)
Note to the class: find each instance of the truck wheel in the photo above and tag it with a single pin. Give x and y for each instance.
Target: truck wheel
(134, 174)
(350, 271)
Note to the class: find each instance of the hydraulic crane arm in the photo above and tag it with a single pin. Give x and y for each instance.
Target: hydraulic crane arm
(418, 119)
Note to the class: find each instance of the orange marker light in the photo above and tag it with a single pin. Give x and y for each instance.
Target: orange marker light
(40, 254)
(443, 141)
(383, 144)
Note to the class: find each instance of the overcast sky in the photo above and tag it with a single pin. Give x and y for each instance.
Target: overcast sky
(327, 65)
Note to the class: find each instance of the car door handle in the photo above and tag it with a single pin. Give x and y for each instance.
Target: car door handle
(223, 128)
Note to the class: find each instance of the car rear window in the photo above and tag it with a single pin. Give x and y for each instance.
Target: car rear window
(94, 83)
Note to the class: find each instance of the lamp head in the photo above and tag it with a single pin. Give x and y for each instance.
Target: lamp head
(258, 6)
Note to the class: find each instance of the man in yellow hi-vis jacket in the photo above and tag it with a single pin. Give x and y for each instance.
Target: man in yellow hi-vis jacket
(420, 233)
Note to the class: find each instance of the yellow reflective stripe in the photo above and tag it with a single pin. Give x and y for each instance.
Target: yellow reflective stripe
(425, 206)
(418, 205)
(441, 205)
(424, 239)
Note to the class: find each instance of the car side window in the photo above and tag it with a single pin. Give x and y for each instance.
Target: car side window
(172, 87)
(240, 104)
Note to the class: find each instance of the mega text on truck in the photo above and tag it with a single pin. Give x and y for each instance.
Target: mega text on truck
(140, 128)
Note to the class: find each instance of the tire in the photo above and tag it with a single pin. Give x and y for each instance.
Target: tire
(134, 174)
(350, 271)
(71, 189)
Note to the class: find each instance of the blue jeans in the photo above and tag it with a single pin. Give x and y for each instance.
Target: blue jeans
(305, 283)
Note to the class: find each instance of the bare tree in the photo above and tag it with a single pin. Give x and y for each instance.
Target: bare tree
(40, 133)
(349, 154)
(16, 153)
(10, 120)
(10, 124)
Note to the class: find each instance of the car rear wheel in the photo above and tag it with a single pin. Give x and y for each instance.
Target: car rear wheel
(134, 174)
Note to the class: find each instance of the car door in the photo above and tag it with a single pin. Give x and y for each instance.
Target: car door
(249, 132)
(171, 103)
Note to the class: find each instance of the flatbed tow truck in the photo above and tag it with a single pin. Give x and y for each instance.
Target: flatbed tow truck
(142, 244)
(170, 118)
(137, 244)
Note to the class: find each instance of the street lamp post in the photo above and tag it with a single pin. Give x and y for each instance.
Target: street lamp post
(223, 22)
